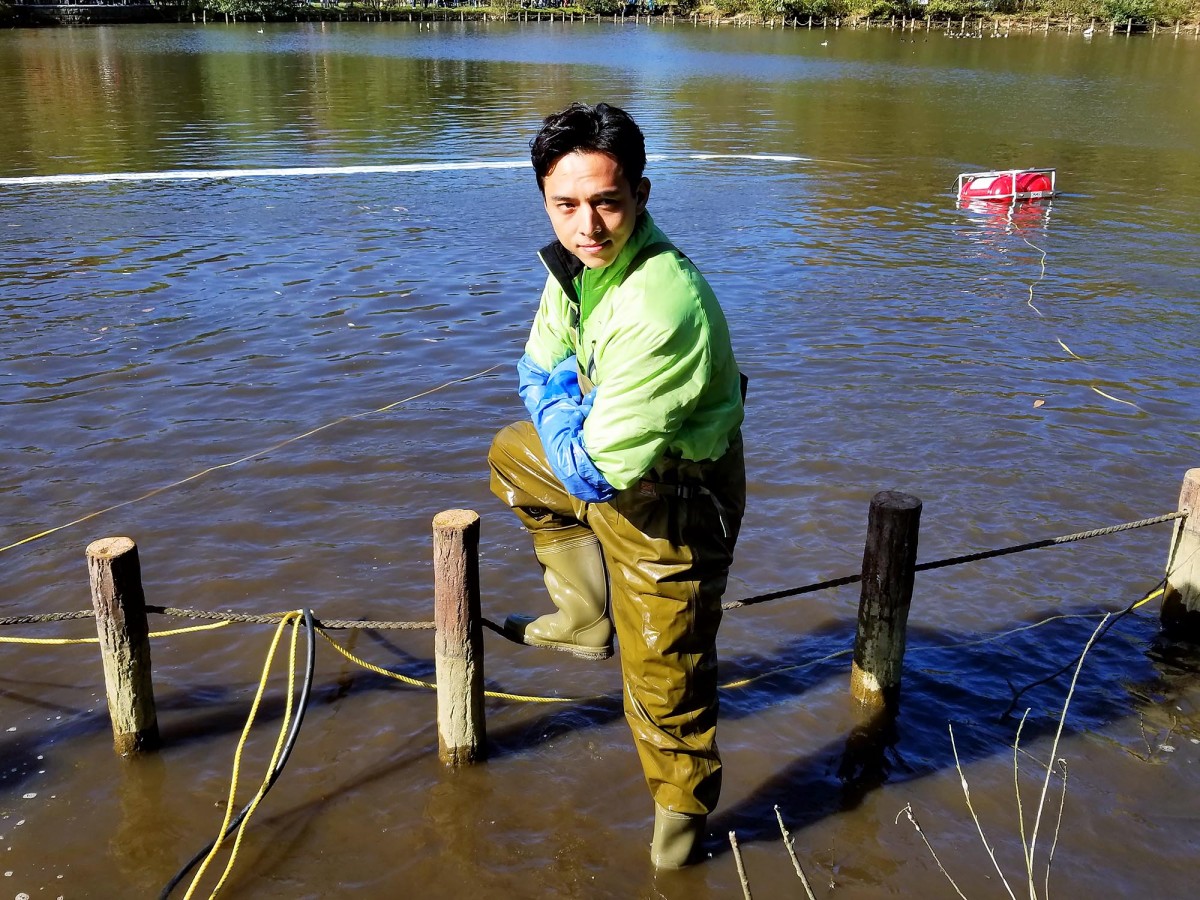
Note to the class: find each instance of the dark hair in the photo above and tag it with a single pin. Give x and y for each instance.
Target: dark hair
(590, 129)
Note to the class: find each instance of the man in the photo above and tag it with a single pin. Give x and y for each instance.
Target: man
(630, 473)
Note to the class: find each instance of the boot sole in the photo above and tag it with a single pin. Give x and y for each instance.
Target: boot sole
(574, 649)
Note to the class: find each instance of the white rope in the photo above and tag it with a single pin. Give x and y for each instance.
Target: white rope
(305, 171)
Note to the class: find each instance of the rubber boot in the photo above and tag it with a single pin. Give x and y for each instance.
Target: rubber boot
(573, 570)
(676, 838)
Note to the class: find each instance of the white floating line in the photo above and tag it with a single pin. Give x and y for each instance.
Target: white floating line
(1069, 350)
(217, 174)
(766, 157)
(1116, 399)
(301, 171)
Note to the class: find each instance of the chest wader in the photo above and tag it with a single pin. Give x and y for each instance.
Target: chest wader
(573, 572)
(667, 544)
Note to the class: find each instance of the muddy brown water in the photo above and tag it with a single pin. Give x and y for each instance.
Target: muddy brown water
(154, 329)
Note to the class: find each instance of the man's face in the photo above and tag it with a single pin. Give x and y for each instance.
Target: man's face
(592, 206)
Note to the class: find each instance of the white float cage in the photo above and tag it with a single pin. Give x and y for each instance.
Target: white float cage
(1015, 195)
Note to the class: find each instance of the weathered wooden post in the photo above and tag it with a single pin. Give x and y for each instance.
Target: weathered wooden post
(120, 606)
(887, 584)
(458, 642)
(1181, 597)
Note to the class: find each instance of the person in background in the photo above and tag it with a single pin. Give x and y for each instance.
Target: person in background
(629, 475)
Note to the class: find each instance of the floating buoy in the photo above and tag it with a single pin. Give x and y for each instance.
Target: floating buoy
(1006, 186)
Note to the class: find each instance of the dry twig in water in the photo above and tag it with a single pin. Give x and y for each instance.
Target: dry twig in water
(787, 842)
(928, 846)
(962, 779)
(737, 858)
(1054, 752)
(1062, 802)
(1029, 847)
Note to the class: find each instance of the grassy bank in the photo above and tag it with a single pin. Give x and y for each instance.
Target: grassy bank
(1058, 13)
(1138, 15)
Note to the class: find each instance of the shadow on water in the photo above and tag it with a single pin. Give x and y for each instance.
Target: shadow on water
(969, 680)
(973, 683)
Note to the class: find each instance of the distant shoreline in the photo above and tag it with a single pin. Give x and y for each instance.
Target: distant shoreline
(83, 14)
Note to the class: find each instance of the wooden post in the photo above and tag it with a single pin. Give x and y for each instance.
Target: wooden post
(887, 584)
(458, 642)
(120, 606)
(1181, 598)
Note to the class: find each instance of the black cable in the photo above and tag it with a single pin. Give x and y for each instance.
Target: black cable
(305, 690)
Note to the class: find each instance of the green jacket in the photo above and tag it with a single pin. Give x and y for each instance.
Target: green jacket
(649, 334)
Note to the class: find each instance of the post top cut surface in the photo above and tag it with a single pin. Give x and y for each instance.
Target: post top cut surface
(110, 547)
(896, 500)
(455, 518)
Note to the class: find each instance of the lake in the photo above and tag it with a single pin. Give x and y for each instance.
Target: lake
(172, 345)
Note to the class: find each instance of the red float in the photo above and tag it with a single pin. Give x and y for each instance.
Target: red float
(1006, 186)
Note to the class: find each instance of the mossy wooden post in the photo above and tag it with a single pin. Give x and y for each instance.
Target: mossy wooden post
(889, 561)
(1181, 597)
(120, 606)
(458, 643)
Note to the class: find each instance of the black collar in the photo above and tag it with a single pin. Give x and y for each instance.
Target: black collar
(565, 266)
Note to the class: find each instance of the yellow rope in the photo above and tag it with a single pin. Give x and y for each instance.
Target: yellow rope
(745, 681)
(1147, 598)
(246, 458)
(495, 695)
(279, 742)
(237, 756)
(526, 698)
(189, 629)
(92, 640)
(366, 665)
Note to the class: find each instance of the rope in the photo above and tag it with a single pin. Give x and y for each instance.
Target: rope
(47, 617)
(273, 618)
(793, 592)
(1110, 619)
(222, 617)
(414, 682)
(225, 618)
(1029, 303)
(959, 560)
(96, 640)
(743, 682)
(271, 766)
(237, 755)
(279, 757)
(246, 458)
(1048, 542)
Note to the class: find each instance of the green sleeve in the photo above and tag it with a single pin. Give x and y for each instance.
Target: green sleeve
(656, 366)
(550, 340)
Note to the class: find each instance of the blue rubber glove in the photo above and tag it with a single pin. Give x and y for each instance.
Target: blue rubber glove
(560, 427)
(558, 411)
(538, 387)
(564, 380)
